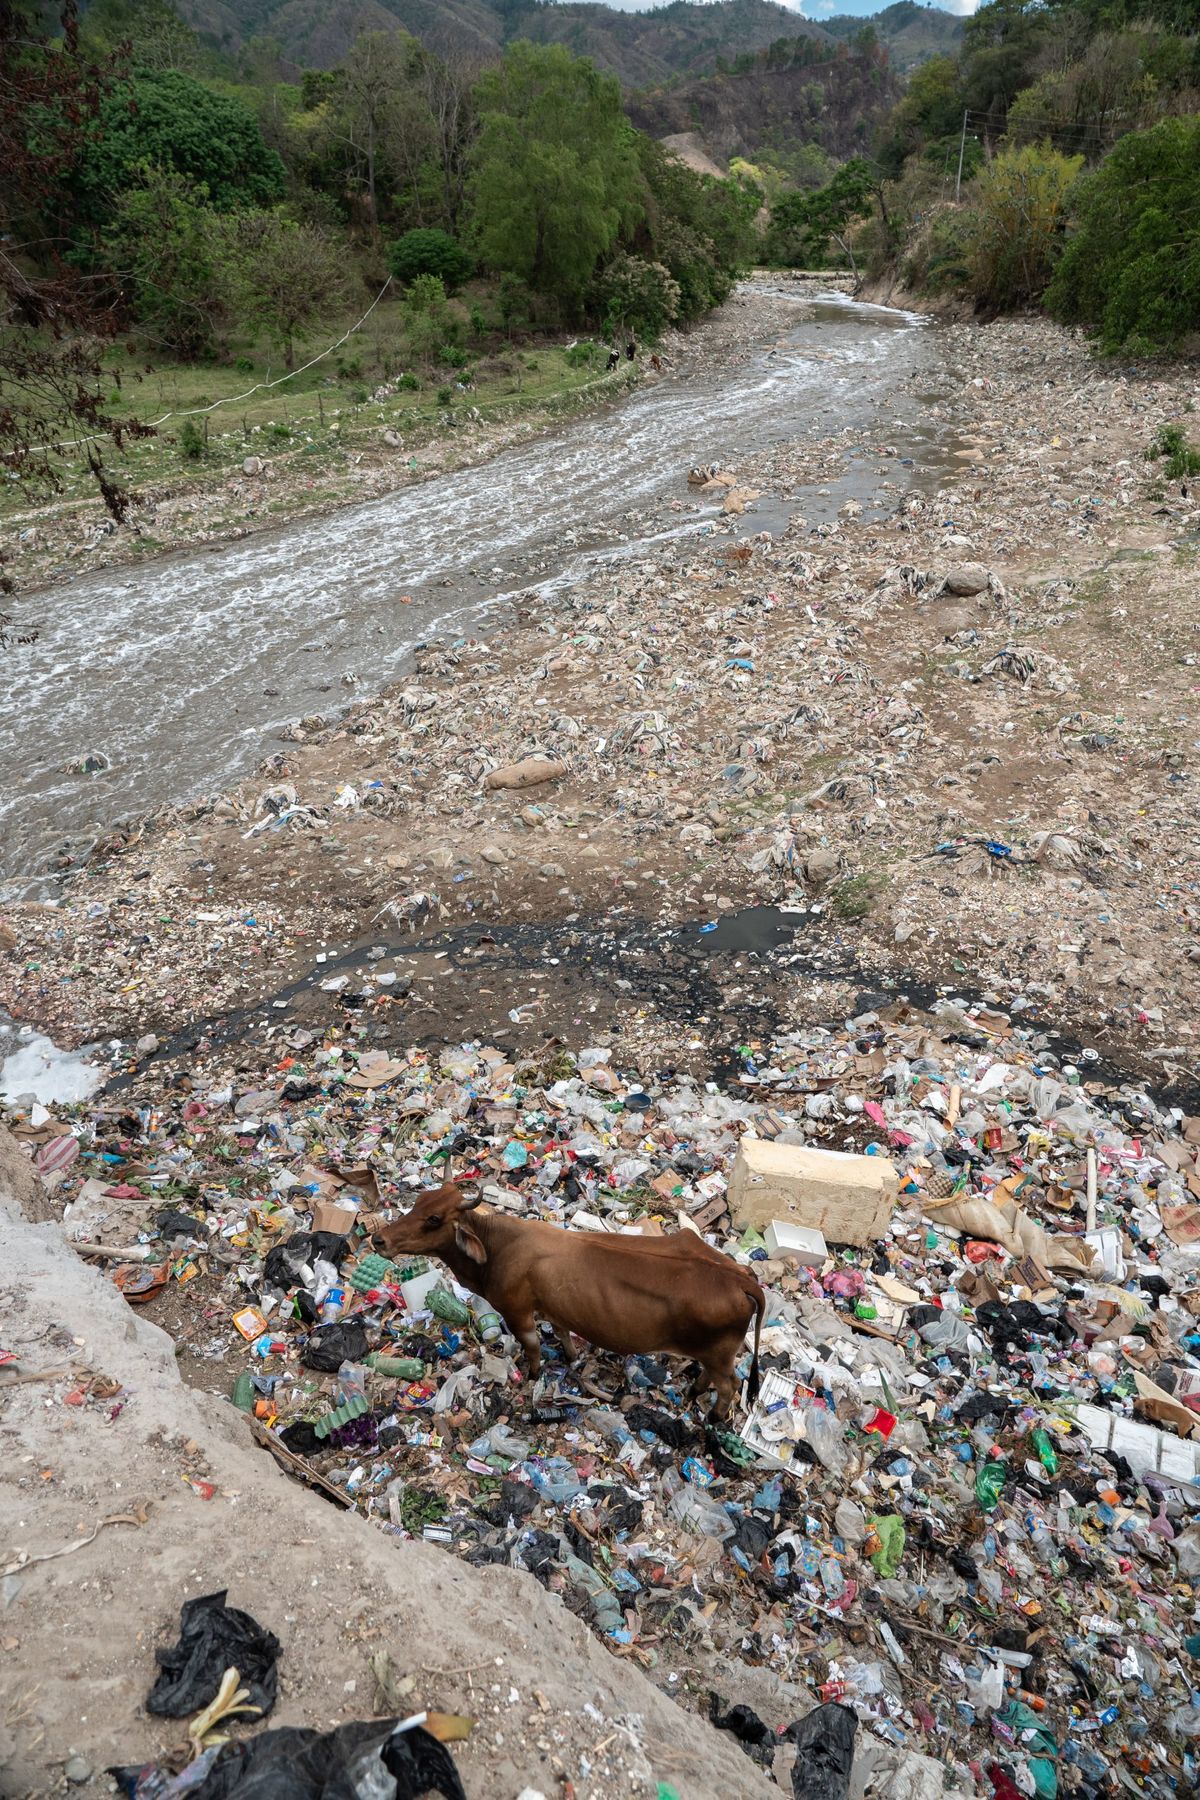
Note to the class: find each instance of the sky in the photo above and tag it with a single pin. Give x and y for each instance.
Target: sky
(816, 9)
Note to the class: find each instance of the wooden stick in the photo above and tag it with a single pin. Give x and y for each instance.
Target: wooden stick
(955, 1103)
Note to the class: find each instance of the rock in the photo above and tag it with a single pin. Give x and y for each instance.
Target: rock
(147, 1045)
(966, 578)
(948, 621)
(77, 1770)
(820, 867)
(393, 440)
(531, 771)
(8, 937)
(253, 465)
(492, 853)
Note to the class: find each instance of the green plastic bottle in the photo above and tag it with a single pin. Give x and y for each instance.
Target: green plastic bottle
(1039, 1437)
(403, 1368)
(243, 1393)
(989, 1485)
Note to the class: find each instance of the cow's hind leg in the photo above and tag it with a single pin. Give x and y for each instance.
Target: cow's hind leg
(719, 1371)
(701, 1385)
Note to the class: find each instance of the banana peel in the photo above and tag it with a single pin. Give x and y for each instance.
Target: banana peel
(230, 1699)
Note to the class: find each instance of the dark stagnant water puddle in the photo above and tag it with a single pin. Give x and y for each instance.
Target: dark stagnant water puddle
(725, 982)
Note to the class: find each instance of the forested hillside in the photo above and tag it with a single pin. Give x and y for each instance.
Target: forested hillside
(638, 48)
(800, 92)
(168, 211)
(910, 33)
(1054, 160)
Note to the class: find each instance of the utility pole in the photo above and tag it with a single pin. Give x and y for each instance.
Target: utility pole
(961, 151)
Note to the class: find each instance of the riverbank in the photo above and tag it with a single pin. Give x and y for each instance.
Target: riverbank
(987, 788)
(294, 456)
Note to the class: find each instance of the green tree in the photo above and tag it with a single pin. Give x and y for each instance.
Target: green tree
(804, 225)
(555, 169)
(169, 121)
(425, 251)
(1015, 229)
(699, 228)
(156, 35)
(1131, 269)
(427, 320)
(289, 276)
(637, 295)
(174, 257)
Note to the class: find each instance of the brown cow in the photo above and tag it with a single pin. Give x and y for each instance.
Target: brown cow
(673, 1295)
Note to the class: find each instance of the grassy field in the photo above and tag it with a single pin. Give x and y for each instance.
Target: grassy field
(325, 413)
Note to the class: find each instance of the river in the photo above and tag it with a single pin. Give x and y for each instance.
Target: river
(179, 670)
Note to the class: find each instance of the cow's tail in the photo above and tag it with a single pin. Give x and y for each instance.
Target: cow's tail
(760, 1307)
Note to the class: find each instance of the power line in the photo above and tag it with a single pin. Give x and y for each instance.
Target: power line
(230, 399)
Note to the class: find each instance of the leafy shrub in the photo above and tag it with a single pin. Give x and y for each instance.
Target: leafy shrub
(1131, 269)
(583, 354)
(445, 396)
(426, 252)
(279, 432)
(1015, 227)
(191, 440)
(244, 365)
(452, 357)
(407, 381)
(642, 296)
(1182, 458)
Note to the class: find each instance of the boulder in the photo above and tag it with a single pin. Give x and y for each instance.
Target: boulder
(966, 578)
(531, 771)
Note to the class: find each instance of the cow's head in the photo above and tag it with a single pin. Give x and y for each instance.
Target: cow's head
(437, 1222)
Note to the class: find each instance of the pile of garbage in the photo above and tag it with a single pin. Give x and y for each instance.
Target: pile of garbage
(965, 1506)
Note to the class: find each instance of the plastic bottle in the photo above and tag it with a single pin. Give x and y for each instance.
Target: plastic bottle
(989, 1485)
(1047, 1455)
(488, 1322)
(243, 1393)
(401, 1368)
(333, 1305)
(1042, 1540)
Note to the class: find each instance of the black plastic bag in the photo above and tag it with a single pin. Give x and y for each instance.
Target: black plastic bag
(824, 1741)
(298, 1764)
(743, 1721)
(214, 1637)
(331, 1345)
(671, 1430)
(285, 1261)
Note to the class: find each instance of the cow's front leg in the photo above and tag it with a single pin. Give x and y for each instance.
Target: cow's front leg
(526, 1333)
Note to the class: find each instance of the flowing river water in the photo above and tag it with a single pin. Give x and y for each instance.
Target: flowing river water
(179, 670)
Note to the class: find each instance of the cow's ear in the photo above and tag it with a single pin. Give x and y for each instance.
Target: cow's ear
(470, 1243)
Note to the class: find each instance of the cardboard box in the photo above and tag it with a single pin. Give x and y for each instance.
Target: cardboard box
(850, 1199)
(332, 1215)
(800, 1243)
